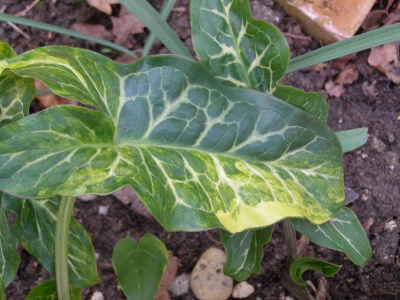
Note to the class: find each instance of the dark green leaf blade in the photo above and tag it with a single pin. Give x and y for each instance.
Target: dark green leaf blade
(35, 228)
(302, 264)
(311, 102)
(244, 251)
(140, 266)
(342, 233)
(48, 291)
(352, 139)
(9, 258)
(198, 155)
(16, 93)
(240, 50)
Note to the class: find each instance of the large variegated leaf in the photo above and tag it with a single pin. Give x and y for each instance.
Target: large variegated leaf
(240, 50)
(9, 258)
(244, 251)
(311, 102)
(343, 233)
(16, 93)
(35, 227)
(198, 153)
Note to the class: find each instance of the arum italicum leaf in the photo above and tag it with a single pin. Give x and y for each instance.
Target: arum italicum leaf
(342, 233)
(48, 291)
(311, 102)
(16, 93)
(35, 226)
(240, 50)
(244, 251)
(9, 258)
(198, 153)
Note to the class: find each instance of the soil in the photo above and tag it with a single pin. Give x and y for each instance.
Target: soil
(372, 171)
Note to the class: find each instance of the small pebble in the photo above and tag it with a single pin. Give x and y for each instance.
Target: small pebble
(97, 296)
(103, 210)
(207, 280)
(391, 138)
(377, 145)
(181, 285)
(390, 226)
(88, 197)
(242, 290)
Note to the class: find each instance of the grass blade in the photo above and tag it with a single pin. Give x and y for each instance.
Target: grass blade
(164, 13)
(152, 19)
(355, 44)
(36, 24)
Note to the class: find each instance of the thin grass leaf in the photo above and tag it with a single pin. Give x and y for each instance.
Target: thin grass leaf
(152, 19)
(57, 29)
(164, 13)
(352, 45)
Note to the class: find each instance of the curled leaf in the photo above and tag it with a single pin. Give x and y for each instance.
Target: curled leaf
(303, 264)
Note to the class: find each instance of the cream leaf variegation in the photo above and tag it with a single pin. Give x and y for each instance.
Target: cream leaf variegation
(199, 154)
(240, 50)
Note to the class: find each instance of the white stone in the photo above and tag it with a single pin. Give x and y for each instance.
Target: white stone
(242, 290)
(88, 197)
(181, 285)
(207, 280)
(103, 210)
(97, 296)
(390, 226)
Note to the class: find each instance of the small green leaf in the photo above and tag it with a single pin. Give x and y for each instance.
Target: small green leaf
(198, 153)
(9, 258)
(6, 51)
(140, 266)
(311, 102)
(352, 139)
(16, 93)
(300, 265)
(35, 228)
(48, 291)
(343, 233)
(240, 50)
(244, 251)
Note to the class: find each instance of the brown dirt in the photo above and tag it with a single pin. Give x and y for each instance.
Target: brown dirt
(372, 171)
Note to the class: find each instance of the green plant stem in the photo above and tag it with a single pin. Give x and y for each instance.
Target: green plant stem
(57, 29)
(164, 13)
(300, 292)
(2, 294)
(352, 45)
(291, 241)
(61, 247)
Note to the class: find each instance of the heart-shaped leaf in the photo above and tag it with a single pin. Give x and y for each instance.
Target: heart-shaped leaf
(244, 251)
(140, 266)
(240, 50)
(343, 233)
(9, 258)
(35, 227)
(196, 153)
(302, 264)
